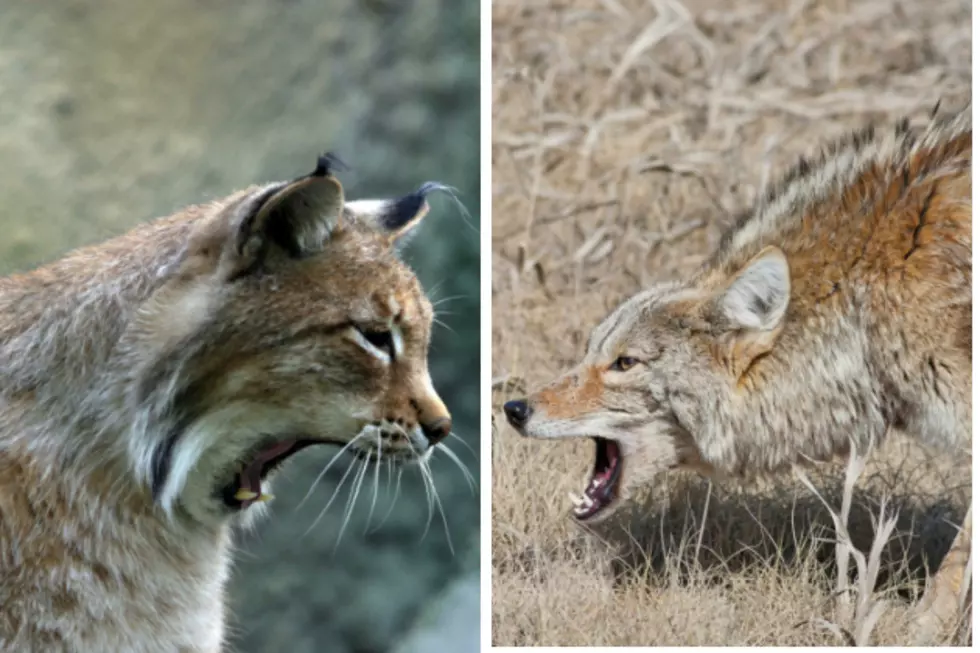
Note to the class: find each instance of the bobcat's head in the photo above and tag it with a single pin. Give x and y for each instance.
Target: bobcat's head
(289, 321)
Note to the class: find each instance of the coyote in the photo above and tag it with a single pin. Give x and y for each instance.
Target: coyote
(839, 307)
(150, 386)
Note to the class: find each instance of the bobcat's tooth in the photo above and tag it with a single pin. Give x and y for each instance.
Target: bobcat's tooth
(265, 497)
(244, 494)
(576, 499)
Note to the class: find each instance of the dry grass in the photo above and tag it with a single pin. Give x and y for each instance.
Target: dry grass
(626, 133)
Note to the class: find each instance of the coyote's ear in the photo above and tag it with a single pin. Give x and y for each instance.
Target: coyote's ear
(757, 298)
(751, 308)
(396, 217)
(296, 216)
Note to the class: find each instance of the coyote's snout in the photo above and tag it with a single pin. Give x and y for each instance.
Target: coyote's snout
(838, 308)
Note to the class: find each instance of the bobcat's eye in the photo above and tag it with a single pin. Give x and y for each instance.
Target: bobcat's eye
(382, 340)
(623, 363)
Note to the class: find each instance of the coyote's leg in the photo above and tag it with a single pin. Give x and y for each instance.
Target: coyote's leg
(940, 606)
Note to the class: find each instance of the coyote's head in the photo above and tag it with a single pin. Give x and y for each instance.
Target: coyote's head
(654, 373)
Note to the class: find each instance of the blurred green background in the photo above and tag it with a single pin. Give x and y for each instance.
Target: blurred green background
(114, 112)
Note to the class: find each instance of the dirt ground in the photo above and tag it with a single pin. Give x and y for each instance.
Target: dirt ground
(626, 133)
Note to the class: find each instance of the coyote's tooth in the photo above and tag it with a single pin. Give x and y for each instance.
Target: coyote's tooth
(582, 503)
(245, 494)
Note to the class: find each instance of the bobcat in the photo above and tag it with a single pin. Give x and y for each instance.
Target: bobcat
(839, 307)
(151, 385)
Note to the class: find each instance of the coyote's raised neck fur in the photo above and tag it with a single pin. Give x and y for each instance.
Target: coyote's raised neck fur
(838, 308)
(150, 384)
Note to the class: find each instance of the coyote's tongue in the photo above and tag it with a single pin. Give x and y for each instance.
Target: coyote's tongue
(250, 478)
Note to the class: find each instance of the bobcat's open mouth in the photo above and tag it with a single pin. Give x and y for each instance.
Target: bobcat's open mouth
(604, 483)
(259, 462)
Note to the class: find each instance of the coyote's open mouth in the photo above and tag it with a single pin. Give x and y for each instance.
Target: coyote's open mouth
(603, 486)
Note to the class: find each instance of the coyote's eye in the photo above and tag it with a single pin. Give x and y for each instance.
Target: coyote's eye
(380, 339)
(623, 363)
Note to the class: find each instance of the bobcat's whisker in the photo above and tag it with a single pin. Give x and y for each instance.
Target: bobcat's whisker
(428, 498)
(377, 473)
(442, 513)
(388, 481)
(443, 300)
(398, 487)
(445, 326)
(352, 499)
(459, 463)
(464, 443)
(319, 476)
(350, 466)
(432, 291)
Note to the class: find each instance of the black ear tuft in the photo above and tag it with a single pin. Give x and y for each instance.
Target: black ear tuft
(326, 163)
(402, 214)
(402, 211)
(430, 186)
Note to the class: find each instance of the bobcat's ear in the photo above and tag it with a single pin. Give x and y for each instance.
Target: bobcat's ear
(751, 309)
(297, 217)
(395, 217)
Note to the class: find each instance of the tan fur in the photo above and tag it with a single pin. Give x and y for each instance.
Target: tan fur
(839, 307)
(135, 374)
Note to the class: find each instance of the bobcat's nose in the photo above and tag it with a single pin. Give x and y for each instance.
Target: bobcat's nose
(518, 411)
(436, 431)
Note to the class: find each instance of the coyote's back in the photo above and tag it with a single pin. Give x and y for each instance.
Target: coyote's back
(877, 237)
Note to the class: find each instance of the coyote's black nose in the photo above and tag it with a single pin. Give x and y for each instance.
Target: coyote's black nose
(517, 412)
